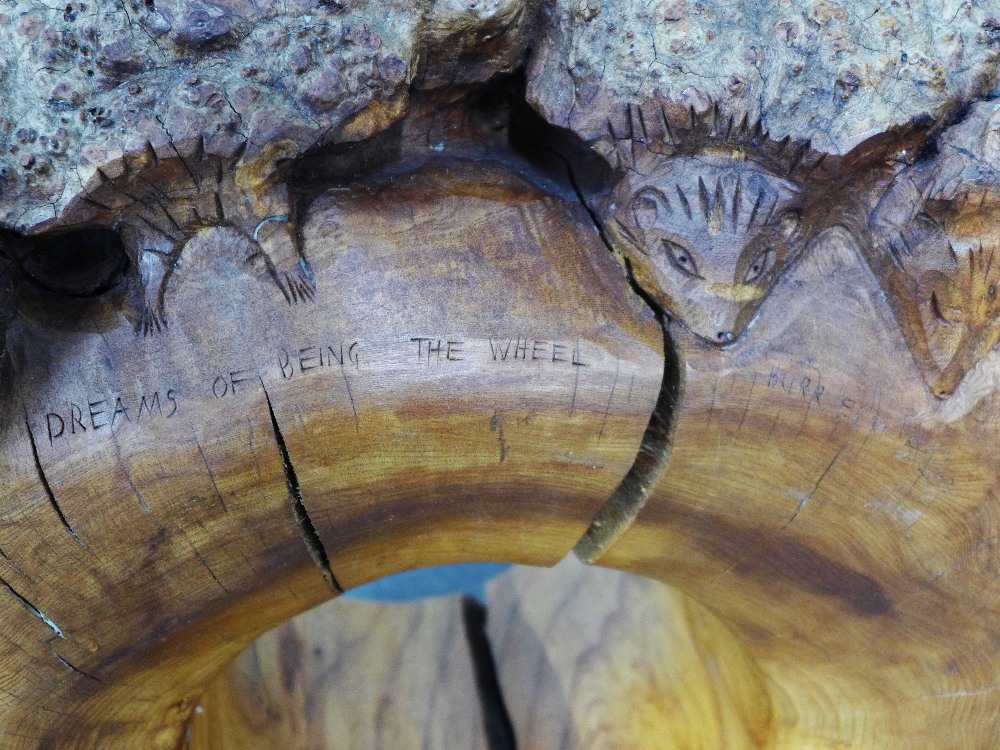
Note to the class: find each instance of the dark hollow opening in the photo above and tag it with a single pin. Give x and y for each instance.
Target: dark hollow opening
(79, 263)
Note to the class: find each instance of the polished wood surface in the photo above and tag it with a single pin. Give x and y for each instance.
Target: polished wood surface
(349, 674)
(294, 296)
(490, 423)
(584, 657)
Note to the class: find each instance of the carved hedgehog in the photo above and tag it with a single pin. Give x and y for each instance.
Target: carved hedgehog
(708, 215)
(158, 118)
(935, 246)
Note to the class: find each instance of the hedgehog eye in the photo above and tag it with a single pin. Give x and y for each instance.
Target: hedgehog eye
(680, 258)
(759, 266)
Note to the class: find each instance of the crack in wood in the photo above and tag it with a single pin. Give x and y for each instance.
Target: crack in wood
(128, 477)
(12, 561)
(76, 669)
(211, 476)
(48, 488)
(622, 508)
(317, 551)
(32, 609)
(204, 562)
(496, 720)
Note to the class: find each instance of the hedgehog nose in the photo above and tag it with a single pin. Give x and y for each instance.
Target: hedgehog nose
(725, 337)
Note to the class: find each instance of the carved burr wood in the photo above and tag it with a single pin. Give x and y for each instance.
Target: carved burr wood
(297, 295)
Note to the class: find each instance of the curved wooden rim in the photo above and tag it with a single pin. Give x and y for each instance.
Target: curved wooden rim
(207, 485)
(473, 381)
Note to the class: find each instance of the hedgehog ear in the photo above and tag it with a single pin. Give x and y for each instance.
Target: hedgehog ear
(646, 207)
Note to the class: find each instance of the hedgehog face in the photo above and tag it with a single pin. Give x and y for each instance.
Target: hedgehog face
(961, 302)
(707, 237)
(947, 251)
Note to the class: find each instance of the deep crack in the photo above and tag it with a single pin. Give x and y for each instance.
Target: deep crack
(32, 609)
(48, 489)
(75, 669)
(312, 541)
(622, 508)
(496, 720)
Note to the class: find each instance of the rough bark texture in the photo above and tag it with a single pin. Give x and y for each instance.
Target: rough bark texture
(295, 295)
(92, 86)
(835, 72)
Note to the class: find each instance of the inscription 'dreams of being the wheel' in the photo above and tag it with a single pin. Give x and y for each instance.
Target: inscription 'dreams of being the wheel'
(106, 412)
(518, 349)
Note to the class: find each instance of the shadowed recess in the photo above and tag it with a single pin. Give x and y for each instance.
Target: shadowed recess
(496, 721)
(84, 262)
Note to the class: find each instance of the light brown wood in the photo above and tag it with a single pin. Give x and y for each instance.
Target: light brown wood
(538, 391)
(290, 302)
(349, 674)
(586, 658)
(592, 658)
(851, 554)
(501, 444)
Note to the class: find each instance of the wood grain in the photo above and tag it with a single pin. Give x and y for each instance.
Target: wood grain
(297, 295)
(839, 517)
(598, 659)
(349, 674)
(176, 492)
(586, 658)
